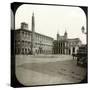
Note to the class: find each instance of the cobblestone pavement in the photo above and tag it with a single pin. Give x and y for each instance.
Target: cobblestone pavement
(48, 69)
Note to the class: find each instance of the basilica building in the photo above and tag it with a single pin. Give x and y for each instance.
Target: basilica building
(64, 45)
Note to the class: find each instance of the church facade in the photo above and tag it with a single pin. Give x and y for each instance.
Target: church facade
(64, 45)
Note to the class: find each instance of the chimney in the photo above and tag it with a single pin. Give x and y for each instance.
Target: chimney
(24, 26)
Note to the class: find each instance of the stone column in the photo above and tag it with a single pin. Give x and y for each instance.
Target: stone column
(65, 51)
(71, 50)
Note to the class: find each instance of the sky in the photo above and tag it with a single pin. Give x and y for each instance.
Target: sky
(52, 19)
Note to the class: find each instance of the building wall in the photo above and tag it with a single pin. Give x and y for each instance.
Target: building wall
(43, 44)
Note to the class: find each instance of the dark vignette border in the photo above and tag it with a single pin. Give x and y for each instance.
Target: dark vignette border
(14, 6)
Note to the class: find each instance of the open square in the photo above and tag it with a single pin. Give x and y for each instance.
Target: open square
(48, 69)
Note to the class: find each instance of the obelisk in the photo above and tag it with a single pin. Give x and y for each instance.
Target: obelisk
(33, 36)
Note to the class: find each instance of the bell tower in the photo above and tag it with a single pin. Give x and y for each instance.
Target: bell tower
(65, 34)
(58, 35)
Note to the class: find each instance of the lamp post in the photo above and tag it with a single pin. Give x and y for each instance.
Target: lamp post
(84, 32)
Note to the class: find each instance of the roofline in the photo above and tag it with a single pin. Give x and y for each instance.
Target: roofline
(35, 32)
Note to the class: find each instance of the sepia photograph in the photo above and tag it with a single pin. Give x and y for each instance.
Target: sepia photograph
(49, 44)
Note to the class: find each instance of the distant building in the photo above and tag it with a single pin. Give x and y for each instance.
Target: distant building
(31, 42)
(63, 45)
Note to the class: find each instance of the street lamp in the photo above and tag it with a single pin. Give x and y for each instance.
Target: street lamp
(83, 30)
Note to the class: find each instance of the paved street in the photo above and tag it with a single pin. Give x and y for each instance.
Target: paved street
(48, 69)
